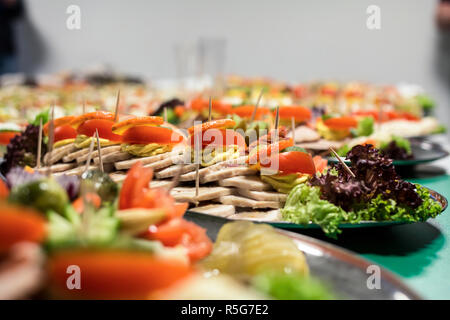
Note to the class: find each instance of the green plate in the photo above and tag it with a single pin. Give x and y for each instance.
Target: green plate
(363, 224)
(424, 151)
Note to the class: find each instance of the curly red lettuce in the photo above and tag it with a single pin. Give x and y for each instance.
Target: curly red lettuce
(374, 175)
(22, 150)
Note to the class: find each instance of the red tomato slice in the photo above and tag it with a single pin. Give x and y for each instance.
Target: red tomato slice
(198, 104)
(4, 191)
(387, 115)
(93, 198)
(114, 274)
(148, 134)
(409, 116)
(328, 91)
(181, 232)
(65, 132)
(67, 120)
(247, 111)
(353, 94)
(6, 136)
(103, 126)
(19, 224)
(341, 123)
(366, 113)
(267, 150)
(300, 114)
(179, 110)
(300, 91)
(217, 106)
(96, 115)
(214, 124)
(218, 138)
(293, 162)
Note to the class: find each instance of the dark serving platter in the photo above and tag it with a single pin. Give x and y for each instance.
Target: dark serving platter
(424, 151)
(362, 224)
(345, 273)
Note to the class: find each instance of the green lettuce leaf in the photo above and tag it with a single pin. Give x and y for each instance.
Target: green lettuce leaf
(379, 209)
(304, 205)
(399, 141)
(284, 286)
(365, 127)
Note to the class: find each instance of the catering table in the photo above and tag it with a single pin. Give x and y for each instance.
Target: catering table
(418, 253)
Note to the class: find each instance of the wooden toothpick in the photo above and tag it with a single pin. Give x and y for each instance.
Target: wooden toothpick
(99, 150)
(277, 121)
(116, 113)
(342, 162)
(51, 129)
(39, 147)
(84, 106)
(197, 183)
(293, 128)
(256, 106)
(51, 137)
(91, 148)
(176, 178)
(210, 109)
(165, 114)
(277, 118)
(197, 169)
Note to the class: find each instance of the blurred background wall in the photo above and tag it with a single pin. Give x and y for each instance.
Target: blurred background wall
(286, 39)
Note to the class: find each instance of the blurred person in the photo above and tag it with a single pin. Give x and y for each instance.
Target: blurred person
(10, 10)
(443, 15)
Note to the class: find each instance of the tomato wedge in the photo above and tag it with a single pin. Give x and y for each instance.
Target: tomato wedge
(104, 128)
(218, 138)
(180, 210)
(292, 162)
(247, 111)
(138, 178)
(215, 124)
(320, 163)
(151, 134)
(135, 193)
(113, 274)
(18, 224)
(300, 114)
(181, 232)
(6, 136)
(154, 198)
(341, 123)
